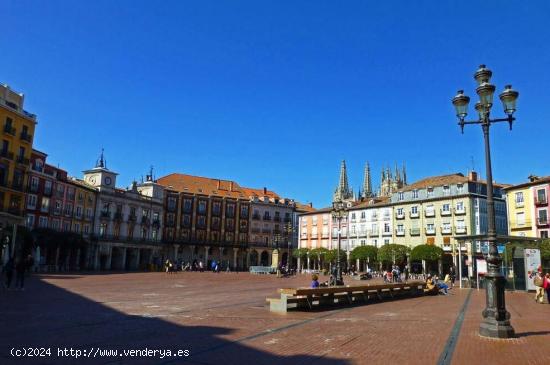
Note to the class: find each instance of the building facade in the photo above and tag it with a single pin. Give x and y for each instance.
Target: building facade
(528, 208)
(128, 222)
(371, 223)
(17, 139)
(438, 210)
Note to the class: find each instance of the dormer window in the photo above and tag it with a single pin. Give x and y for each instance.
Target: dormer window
(400, 196)
(430, 192)
(415, 194)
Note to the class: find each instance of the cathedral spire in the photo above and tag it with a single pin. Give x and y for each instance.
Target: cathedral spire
(404, 175)
(367, 184)
(343, 191)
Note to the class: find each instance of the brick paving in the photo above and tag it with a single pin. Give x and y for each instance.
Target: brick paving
(223, 319)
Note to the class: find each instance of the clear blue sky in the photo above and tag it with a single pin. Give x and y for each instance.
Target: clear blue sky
(277, 93)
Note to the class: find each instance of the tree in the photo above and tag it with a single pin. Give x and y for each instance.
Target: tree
(300, 253)
(393, 253)
(364, 253)
(426, 252)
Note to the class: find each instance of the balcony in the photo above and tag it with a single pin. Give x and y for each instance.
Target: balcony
(171, 207)
(266, 230)
(400, 215)
(6, 154)
(276, 219)
(314, 235)
(23, 160)
(257, 230)
(9, 129)
(256, 216)
(429, 231)
(145, 220)
(519, 204)
(156, 223)
(33, 188)
(386, 233)
(446, 230)
(460, 211)
(541, 200)
(445, 212)
(118, 216)
(267, 218)
(414, 214)
(460, 230)
(17, 186)
(400, 233)
(542, 222)
(373, 232)
(132, 218)
(25, 137)
(414, 231)
(429, 213)
(287, 220)
(105, 215)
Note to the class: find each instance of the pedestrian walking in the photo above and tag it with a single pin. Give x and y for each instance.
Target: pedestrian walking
(8, 272)
(538, 280)
(406, 273)
(452, 274)
(20, 268)
(546, 286)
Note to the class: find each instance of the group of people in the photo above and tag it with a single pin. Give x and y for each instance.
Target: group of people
(173, 267)
(542, 284)
(20, 268)
(443, 286)
(395, 275)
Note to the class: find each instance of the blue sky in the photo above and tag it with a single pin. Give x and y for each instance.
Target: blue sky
(277, 93)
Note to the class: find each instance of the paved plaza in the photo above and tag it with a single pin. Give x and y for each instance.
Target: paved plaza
(223, 319)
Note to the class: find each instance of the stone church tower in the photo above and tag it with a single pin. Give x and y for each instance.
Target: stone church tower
(343, 191)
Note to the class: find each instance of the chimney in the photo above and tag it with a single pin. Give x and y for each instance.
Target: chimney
(231, 186)
(533, 178)
(265, 190)
(310, 204)
(472, 176)
(218, 185)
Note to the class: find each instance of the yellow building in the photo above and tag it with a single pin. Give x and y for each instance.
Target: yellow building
(17, 137)
(84, 208)
(524, 210)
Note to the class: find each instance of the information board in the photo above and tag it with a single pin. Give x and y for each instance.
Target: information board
(532, 264)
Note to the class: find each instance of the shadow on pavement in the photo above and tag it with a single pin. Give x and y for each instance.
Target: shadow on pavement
(529, 334)
(46, 316)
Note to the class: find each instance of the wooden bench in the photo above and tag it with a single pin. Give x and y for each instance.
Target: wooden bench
(308, 298)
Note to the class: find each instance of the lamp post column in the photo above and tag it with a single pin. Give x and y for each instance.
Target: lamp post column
(496, 319)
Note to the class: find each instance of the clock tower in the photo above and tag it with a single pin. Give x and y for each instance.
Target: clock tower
(100, 176)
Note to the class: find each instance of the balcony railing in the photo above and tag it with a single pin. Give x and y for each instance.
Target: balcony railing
(414, 231)
(287, 220)
(267, 218)
(446, 230)
(386, 233)
(118, 216)
(429, 231)
(445, 212)
(23, 160)
(9, 129)
(276, 219)
(6, 154)
(541, 200)
(542, 221)
(156, 223)
(104, 214)
(132, 218)
(266, 230)
(145, 220)
(25, 137)
(414, 215)
(429, 213)
(256, 216)
(460, 210)
(400, 215)
(399, 232)
(519, 204)
(255, 230)
(460, 230)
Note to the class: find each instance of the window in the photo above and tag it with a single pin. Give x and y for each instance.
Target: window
(543, 216)
(34, 184)
(30, 221)
(430, 227)
(230, 210)
(430, 192)
(103, 229)
(446, 208)
(353, 217)
(460, 206)
(171, 203)
(66, 226)
(363, 215)
(55, 224)
(43, 222)
(244, 211)
(446, 227)
(520, 219)
(446, 190)
(519, 198)
(400, 228)
(541, 196)
(77, 228)
(387, 228)
(414, 210)
(400, 196)
(86, 228)
(78, 212)
(31, 201)
(459, 188)
(216, 208)
(415, 194)
(543, 234)
(45, 206)
(47, 187)
(88, 213)
(187, 205)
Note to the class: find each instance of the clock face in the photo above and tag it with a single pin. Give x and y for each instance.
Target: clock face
(108, 180)
(92, 180)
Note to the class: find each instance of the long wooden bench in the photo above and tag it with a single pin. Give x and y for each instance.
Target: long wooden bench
(308, 298)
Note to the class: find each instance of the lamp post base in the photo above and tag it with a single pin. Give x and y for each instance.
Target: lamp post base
(496, 319)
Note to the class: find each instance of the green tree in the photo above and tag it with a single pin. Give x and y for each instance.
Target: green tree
(393, 253)
(364, 253)
(300, 253)
(426, 252)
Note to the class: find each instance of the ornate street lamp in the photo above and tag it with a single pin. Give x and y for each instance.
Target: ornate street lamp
(338, 212)
(496, 319)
